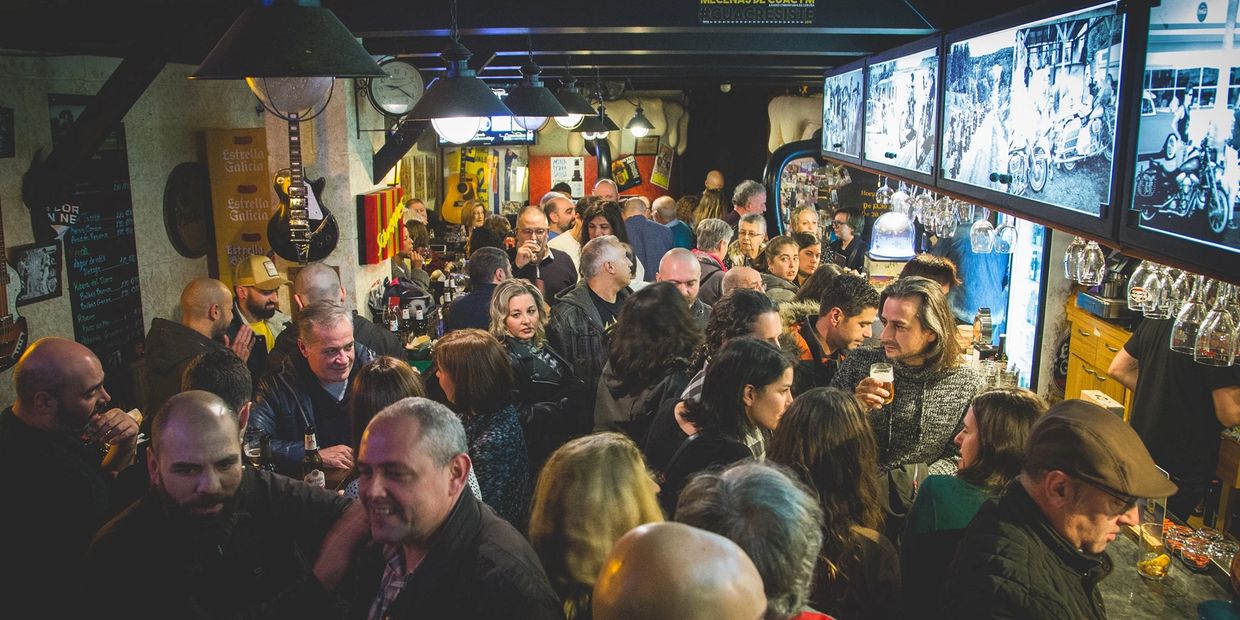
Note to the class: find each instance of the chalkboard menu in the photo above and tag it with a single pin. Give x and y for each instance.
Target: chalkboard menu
(101, 256)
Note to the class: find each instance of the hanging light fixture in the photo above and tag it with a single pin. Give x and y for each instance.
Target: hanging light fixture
(288, 55)
(639, 125)
(597, 126)
(531, 102)
(458, 103)
(575, 105)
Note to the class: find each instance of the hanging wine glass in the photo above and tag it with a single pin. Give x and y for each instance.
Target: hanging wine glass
(920, 204)
(1181, 289)
(982, 237)
(1072, 258)
(1005, 236)
(1093, 266)
(899, 200)
(1216, 338)
(1188, 321)
(1157, 287)
(882, 196)
(1136, 286)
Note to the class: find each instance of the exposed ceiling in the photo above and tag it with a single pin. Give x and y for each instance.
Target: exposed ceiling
(652, 44)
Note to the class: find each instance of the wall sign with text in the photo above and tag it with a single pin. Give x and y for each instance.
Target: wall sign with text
(764, 12)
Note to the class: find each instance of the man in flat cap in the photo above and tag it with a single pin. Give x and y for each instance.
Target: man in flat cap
(1039, 552)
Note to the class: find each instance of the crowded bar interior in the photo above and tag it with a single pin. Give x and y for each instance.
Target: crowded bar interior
(659, 309)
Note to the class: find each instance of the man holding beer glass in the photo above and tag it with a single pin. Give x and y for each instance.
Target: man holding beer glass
(548, 268)
(915, 386)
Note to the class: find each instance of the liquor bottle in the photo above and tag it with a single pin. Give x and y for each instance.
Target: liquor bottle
(312, 462)
(391, 317)
(406, 323)
(265, 460)
(419, 322)
(1209, 510)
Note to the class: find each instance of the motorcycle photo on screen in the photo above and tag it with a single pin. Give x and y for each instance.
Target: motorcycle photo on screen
(1182, 180)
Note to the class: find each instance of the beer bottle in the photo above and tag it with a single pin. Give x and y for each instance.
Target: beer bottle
(265, 460)
(312, 462)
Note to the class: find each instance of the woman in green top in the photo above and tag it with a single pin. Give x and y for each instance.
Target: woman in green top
(991, 442)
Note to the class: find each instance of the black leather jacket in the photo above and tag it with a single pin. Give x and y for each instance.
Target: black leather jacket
(576, 331)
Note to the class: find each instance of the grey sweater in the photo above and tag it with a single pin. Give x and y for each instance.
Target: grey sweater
(927, 412)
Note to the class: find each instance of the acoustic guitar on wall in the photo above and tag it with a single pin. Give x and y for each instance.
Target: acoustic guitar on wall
(460, 189)
(13, 334)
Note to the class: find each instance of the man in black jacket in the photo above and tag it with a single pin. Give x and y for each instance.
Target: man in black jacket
(319, 282)
(487, 268)
(312, 389)
(581, 322)
(257, 282)
(551, 270)
(1040, 551)
(440, 552)
(206, 313)
(212, 538)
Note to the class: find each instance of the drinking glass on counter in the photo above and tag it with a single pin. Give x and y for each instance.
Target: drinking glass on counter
(883, 373)
(1153, 560)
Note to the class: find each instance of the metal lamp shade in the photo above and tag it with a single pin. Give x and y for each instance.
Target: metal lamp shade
(639, 125)
(287, 41)
(458, 96)
(532, 103)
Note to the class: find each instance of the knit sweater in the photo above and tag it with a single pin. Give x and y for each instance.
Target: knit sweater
(925, 415)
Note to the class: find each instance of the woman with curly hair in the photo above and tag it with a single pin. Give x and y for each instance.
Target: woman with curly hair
(826, 438)
(991, 443)
(686, 208)
(592, 490)
(648, 365)
(546, 389)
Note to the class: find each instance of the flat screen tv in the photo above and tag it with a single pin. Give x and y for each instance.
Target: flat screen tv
(901, 114)
(1188, 130)
(843, 104)
(1030, 111)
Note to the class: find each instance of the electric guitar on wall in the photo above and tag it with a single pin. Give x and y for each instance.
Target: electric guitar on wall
(461, 188)
(13, 334)
(301, 229)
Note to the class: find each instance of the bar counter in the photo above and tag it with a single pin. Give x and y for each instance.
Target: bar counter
(1128, 595)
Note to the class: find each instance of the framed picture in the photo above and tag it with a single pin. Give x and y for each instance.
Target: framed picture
(901, 115)
(843, 107)
(38, 269)
(648, 145)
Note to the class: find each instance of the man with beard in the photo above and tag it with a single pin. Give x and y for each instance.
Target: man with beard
(257, 284)
(60, 449)
(440, 552)
(844, 320)
(206, 313)
(312, 389)
(212, 539)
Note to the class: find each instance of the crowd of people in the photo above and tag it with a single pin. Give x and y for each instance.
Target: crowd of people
(622, 364)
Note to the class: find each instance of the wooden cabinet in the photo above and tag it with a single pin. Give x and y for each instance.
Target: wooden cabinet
(1093, 344)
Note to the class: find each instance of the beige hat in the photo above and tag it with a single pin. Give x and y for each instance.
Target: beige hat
(260, 272)
(1088, 442)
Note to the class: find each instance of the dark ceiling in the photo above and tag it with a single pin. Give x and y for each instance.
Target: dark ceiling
(652, 44)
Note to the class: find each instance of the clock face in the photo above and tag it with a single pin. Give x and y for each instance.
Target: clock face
(396, 95)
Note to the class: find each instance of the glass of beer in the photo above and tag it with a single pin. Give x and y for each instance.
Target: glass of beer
(883, 373)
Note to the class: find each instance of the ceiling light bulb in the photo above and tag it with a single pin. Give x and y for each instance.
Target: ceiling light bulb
(530, 123)
(570, 121)
(458, 129)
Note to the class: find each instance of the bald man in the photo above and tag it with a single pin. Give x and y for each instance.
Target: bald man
(714, 180)
(742, 277)
(206, 313)
(664, 209)
(607, 190)
(320, 282)
(211, 538)
(60, 449)
(680, 267)
(670, 571)
(650, 240)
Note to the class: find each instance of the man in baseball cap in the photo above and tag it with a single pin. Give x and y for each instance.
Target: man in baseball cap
(257, 283)
(1039, 552)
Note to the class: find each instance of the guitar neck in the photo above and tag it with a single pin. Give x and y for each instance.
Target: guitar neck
(299, 224)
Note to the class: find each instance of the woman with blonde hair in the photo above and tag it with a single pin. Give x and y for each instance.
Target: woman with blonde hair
(709, 205)
(545, 387)
(592, 490)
